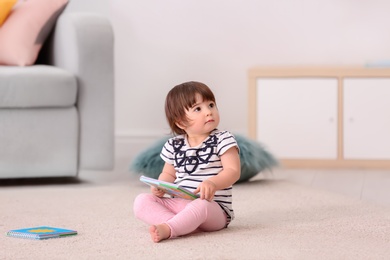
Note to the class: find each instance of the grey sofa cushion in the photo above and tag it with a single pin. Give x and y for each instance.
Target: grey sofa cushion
(40, 142)
(47, 86)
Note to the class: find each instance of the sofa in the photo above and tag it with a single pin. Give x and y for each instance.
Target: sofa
(57, 116)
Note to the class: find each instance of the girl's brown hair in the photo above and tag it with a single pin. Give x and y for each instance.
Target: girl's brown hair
(181, 98)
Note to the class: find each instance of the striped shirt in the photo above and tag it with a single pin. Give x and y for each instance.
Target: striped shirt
(196, 164)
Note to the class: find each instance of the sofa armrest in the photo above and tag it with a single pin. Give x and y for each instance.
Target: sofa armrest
(83, 44)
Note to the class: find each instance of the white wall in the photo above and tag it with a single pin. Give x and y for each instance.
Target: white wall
(97, 6)
(163, 43)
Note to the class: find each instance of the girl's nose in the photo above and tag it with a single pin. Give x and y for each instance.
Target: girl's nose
(208, 111)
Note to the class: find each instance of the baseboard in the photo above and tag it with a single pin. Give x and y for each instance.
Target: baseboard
(130, 144)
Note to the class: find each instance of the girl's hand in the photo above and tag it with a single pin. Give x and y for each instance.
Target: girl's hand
(157, 192)
(207, 190)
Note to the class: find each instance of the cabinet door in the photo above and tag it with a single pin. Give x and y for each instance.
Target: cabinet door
(367, 118)
(297, 117)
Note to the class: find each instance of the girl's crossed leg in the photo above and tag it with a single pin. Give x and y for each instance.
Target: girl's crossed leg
(173, 217)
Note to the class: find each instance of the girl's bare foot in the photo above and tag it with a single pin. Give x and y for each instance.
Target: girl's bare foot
(159, 232)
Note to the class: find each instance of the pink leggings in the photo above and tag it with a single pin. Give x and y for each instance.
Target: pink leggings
(181, 215)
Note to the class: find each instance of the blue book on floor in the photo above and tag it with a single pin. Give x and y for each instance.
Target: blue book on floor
(42, 232)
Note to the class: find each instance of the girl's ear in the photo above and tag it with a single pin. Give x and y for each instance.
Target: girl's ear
(180, 125)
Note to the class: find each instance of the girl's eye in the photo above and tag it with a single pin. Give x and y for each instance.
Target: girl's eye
(211, 105)
(197, 109)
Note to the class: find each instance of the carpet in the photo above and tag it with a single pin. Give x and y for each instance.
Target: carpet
(274, 220)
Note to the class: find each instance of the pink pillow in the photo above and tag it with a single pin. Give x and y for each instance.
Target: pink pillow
(25, 30)
(5, 9)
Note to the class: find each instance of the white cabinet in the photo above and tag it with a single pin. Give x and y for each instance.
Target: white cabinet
(322, 117)
(367, 118)
(293, 114)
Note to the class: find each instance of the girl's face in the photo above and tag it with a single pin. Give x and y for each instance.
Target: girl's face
(203, 117)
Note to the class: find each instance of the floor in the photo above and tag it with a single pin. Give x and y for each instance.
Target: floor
(372, 186)
(369, 185)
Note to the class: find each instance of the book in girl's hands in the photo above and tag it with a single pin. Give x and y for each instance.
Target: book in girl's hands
(169, 188)
(42, 232)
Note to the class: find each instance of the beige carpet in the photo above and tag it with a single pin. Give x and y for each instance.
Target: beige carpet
(274, 220)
